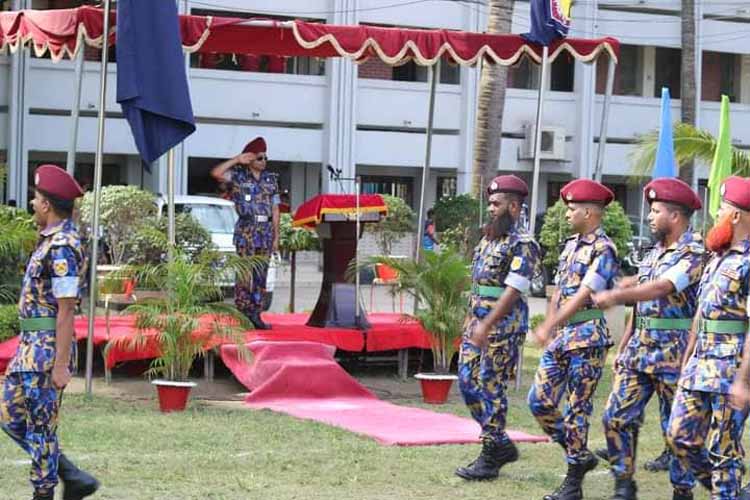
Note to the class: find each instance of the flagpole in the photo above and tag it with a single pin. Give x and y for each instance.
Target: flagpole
(170, 202)
(535, 176)
(70, 166)
(605, 121)
(97, 198)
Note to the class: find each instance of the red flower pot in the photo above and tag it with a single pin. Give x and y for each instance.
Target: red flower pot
(435, 386)
(173, 396)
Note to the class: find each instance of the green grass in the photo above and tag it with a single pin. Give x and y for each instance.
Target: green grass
(216, 453)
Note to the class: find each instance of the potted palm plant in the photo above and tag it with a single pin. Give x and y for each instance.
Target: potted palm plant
(176, 321)
(440, 283)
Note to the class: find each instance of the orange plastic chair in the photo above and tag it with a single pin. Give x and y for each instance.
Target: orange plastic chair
(386, 276)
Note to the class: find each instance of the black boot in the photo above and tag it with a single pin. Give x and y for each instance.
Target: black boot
(571, 487)
(487, 465)
(625, 489)
(77, 484)
(257, 322)
(660, 463)
(685, 495)
(46, 495)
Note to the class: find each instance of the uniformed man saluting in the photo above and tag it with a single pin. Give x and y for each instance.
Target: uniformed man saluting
(46, 355)
(704, 430)
(255, 193)
(497, 322)
(650, 354)
(574, 359)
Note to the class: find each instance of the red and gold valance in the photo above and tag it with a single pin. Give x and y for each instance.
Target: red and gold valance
(311, 212)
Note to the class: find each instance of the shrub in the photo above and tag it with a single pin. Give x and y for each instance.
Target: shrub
(148, 244)
(122, 211)
(398, 222)
(556, 230)
(9, 324)
(17, 239)
(536, 320)
(457, 221)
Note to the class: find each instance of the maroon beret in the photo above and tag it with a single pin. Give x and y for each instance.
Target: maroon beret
(56, 182)
(736, 190)
(257, 145)
(672, 190)
(586, 191)
(507, 184)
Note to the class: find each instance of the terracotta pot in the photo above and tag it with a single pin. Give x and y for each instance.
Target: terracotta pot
(173, 396)
(435, 386)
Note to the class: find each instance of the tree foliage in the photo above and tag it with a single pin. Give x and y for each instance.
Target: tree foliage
(296, 239)
(556, 230)
(149, 244)
(17, 240)
(398, 223)
(457, 221)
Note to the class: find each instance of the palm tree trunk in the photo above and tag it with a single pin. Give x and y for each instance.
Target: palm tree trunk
(491, 104)
(687, 82)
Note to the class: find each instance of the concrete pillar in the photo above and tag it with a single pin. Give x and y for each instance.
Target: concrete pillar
(18, 111)
(340, 127)
(585, 89)
(649, 71)
(745, 79)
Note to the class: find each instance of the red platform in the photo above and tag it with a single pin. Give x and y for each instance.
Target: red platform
(388, 332)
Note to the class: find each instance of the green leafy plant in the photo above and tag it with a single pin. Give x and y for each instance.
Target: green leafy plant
(293, 240)
(191, 292)
(536, 320)
(556, 230)
(439, 282)
(123, 210)
(17, 239)
(398, 223)
(148, 244)
(9, 323)
(457, 221)
(690, 143)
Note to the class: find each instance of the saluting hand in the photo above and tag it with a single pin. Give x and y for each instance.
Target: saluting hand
(246, 158)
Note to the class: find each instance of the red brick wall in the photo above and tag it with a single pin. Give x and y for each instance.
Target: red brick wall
(376, 69)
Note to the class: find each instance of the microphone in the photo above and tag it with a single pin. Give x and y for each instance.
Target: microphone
(331, 171)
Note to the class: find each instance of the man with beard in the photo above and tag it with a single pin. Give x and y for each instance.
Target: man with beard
(578, 332)
(704, 430)
(496, 324)
(650, 354)
(255, 193)
(46, 355)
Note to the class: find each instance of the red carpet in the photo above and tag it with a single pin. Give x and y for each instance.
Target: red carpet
(303, 380)
(388, 332)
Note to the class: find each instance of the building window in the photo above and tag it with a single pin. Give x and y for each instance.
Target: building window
(446, 187)
(526, 74)
(523, 75)
(562, 73)
(402, 187)
(720, 75)
(667, 73)
(628, 72)
(450, 74)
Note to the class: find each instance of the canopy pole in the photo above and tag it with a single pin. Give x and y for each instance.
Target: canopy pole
(434, 72)
(74, 113)
(97, 199)
(357, 313)
(535, 176)
(605, 121)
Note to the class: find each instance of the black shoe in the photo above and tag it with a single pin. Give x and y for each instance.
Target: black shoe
(602, 453)
(77, 484)
(572, 486)
(257, 322)
(744, 493)
(625, 489)
(660, 463)
(45, 495)
(487, 465)
(685, 495)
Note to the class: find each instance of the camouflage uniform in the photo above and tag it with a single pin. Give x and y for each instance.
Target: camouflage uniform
(253, 199)
(507, 261)
(650, 362)
(704, 430)
(30, 402)
(573, 361)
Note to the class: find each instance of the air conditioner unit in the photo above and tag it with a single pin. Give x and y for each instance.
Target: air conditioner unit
(552, 142)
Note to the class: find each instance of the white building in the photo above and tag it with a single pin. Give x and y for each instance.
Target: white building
(371, 119)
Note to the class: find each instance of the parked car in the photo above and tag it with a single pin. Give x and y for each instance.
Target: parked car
(218, 217)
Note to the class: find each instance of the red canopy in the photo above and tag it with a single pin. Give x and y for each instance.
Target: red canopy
(61, 32)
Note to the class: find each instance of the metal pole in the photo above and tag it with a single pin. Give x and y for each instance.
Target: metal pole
(537, 146)
(97, 199)
(357, 187)
(605, 121)
(170, 201)
(74, 112)
(434, 72)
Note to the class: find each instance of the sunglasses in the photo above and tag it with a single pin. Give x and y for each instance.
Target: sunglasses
(261, 158)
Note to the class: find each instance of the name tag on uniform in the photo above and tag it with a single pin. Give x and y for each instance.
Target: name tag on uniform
(584, 255)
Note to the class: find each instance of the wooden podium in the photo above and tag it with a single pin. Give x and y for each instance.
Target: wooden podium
(334, 217)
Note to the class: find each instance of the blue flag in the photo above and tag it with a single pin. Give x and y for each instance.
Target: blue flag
(550, 20)
(665, 166)
(151, 81)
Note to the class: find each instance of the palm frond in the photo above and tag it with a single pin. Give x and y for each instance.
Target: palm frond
(690, 143)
